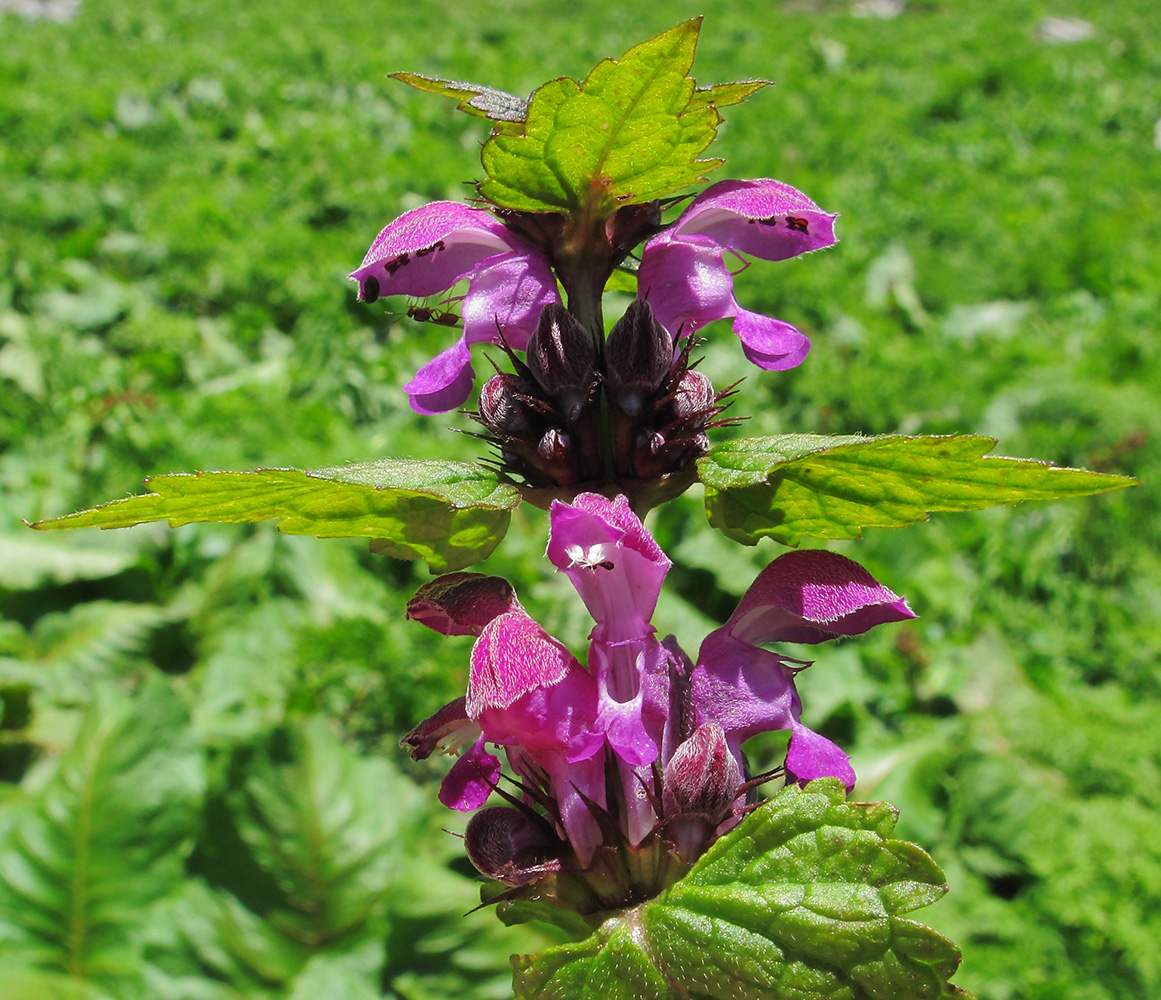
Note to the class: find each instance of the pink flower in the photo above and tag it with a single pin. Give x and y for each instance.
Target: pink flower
(684, 276)
(805, 596)
(428, 250)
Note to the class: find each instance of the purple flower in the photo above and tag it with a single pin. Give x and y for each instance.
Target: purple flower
(806, 596)
(428, 250)
(529, 694)
(684, 276)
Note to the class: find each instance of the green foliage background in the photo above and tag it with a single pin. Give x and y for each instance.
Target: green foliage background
(202, 794)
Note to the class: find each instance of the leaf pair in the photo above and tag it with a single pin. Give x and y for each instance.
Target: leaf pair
(453, 514)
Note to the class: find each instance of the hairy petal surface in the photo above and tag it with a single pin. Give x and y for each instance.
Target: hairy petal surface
(429, 249)
(812, 595)
(761, 217)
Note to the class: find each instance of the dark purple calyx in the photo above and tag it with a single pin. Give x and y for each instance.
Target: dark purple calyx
(513, 846)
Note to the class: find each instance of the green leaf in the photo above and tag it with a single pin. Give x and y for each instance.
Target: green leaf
(450, 514)
(832, 487)
(312, 852)
(631, 132)
(507, 110)
(722, 95)
(804, 899)
(320, 822)
(82, 862)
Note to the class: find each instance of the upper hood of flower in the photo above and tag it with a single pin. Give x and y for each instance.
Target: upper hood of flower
(611, 559)
(760, 217)
(428, 250)
(812, 595)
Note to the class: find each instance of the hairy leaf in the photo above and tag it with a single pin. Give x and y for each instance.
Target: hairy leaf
(804, 899)
(507, 110)
(450, 514)
(630, 132)
(106, 838)
(832, 487)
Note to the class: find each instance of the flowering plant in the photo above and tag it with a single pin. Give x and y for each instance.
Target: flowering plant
(632, 819)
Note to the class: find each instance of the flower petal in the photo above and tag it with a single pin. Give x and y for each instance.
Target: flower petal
(633, 696)
(686, 283)
(811, 756)
(471, 780)
(761, 217)
(743, 688)
(770, 343)
(430, 248)
(462, 603)
(444, 383)
(512, 657)
(611, 559)
(505, 292)
(526, 689)
(508, 291)
(812, 595)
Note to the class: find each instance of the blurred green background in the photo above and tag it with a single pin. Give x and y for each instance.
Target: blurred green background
(202, 795)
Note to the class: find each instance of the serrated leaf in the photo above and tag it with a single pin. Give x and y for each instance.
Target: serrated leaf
(311, 852)
(722, 95)
(450, 514)
(507, 110)
(82, 862)
(628, 134)
(793, 485)
(804, 899)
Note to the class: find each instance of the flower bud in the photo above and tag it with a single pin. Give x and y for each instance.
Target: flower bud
(702, 776)
(700, 782)
(446, 731)
(500, 408)
(694, 396)
(511, 846)
(562, 358)
(461, 603)
(638, 354)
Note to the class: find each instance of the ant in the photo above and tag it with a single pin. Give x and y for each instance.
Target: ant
(426, 314)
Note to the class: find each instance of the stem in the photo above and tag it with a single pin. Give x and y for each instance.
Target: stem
(583, 263)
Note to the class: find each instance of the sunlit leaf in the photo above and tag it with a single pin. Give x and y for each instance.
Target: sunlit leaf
(450, 514)
(630, 132)
(793, 485)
